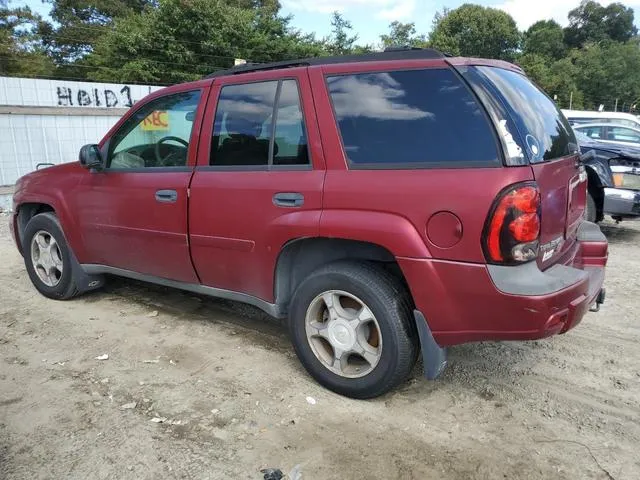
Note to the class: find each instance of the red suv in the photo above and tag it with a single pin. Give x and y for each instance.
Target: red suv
(386, 204)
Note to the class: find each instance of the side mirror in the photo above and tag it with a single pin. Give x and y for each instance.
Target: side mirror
(90, 157)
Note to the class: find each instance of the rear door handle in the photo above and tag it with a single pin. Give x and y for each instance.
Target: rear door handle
(166, 196)
(288, 199)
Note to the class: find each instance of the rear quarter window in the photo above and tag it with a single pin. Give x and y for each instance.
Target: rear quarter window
(411, 119)
(544, 131)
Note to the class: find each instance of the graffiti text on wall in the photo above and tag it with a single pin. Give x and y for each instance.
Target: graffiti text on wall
(94, 97)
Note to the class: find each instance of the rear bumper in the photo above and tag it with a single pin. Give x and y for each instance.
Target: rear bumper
(469, 302)
(620, 201)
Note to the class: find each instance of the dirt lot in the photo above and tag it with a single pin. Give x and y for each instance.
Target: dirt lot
(234, 397)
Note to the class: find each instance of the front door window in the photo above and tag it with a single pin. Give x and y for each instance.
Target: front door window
(157, 135)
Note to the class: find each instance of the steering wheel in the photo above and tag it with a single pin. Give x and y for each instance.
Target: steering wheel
(161, 160)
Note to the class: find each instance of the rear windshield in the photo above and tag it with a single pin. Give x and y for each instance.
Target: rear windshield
(544, 132)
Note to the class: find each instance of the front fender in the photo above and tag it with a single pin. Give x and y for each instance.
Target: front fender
(393, 232)
(57, 201)
(599, 174)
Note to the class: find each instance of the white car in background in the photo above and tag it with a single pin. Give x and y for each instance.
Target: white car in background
(576, 117)
(610, 133)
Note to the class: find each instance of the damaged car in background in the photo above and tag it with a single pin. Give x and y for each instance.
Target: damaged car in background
(614, 179)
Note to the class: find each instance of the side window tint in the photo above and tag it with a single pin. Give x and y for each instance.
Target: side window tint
(290, 147)
(242, 128)
(411, 117)
(624, 134)
(243, 132)
(513, 145)
(593, 132)
(157, 135)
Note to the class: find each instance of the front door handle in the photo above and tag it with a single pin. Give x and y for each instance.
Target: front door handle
(288, 199)
(166, 196)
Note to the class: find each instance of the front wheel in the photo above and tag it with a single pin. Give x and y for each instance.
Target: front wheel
(352, 329)
(47, 257)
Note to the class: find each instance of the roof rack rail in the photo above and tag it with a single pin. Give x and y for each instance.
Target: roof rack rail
(400, 48)
(390, 53)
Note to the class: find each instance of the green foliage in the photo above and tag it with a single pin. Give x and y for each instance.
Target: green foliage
(403, 34)
(608, 71)
(82, 22)
(476, 31)
(179, 41)
(598, 63)
(545, 38)
(591, 23)
(22, 52)
(340, 42)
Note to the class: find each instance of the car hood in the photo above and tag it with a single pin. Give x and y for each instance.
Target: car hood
(52, 176)
(62, 169)
(627, 151)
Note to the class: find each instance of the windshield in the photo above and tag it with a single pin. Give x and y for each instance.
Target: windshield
(544, 132)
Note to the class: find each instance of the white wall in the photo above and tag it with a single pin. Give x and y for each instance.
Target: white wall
(60, 93)
(49, 120)
(26, 140)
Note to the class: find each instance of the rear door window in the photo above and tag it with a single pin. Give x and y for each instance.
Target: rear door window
(244, 133)
(544, 131)
(411, 118)
(592, 132)
(622, 134)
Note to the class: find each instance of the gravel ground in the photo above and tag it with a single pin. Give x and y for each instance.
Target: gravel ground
(230, 397)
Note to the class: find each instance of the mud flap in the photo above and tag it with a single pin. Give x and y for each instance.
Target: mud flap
(84, 281)
(434, 357)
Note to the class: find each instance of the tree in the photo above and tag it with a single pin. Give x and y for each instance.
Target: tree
(22, 52)
(545, 38)
(608, 71)
(557, 78)
(403, 34)
(590, 22)
(340, 42)
(619, 22)
(179, 41)
(473, 30)
(78, 26)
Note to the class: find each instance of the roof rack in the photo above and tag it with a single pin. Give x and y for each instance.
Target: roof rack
(390, 53)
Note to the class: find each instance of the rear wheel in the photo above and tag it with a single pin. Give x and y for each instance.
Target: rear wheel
(352, 328)
(591, 212)
(47, 257)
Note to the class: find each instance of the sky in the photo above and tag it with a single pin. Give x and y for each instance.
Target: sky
(370, 18)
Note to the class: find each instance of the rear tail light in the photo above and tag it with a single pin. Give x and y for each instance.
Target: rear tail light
(512, 229)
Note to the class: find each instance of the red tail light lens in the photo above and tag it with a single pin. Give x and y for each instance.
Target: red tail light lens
(513, 227)
(526, 227)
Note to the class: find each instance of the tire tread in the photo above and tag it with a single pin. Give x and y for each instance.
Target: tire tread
(392, 293)
(71, 290)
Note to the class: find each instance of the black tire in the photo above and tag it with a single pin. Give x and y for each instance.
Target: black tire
(390, 303)
(66, 287)
(591, 212)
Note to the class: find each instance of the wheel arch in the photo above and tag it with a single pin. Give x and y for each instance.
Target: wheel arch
(29, 204)
(595, 188)
(299, 257)
(26, 211)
